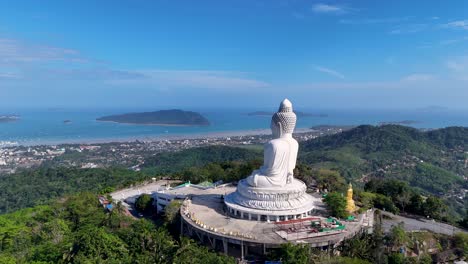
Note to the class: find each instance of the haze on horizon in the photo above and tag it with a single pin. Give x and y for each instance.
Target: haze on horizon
(153, 54)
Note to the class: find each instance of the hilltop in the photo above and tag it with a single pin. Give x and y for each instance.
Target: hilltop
(174, 117)
(434, 161)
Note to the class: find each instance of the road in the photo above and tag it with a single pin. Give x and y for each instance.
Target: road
(412, 224)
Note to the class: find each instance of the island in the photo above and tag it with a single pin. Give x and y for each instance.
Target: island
(298, 113)
(173, 117)
(8, 118)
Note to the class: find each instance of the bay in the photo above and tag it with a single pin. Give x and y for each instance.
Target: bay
(47, 126)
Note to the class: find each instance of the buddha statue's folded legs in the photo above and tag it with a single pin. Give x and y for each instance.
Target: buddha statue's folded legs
(258, 180)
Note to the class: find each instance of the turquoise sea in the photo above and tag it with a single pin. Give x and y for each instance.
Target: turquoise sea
(37, 127)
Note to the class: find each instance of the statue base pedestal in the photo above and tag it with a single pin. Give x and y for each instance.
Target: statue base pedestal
(270, 203)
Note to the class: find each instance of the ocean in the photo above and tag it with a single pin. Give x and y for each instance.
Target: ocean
(37, 127)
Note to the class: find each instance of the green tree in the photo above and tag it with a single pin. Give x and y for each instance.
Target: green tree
(434, 207)
(396, 258)
(425, 259)
(329, 180)
(461, 242)
(336, 204)
(147, 243)
(416, 204)
(292, 254)
(7, 259)
(360, 247)
(385, 203)
(397, 236)
(190, 253)
(95, 244)
(366, 199)
(171, 212)
(144, 204)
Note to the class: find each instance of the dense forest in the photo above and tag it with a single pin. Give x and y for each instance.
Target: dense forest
(197, 157)
(77, 229)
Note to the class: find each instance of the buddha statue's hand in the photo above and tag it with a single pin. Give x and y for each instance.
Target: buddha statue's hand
(252, 180)
(289, 178)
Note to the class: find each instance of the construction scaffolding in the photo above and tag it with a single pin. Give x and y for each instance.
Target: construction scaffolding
(308, 228)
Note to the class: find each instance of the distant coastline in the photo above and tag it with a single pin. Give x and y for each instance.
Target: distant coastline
(8, 118)
(298, 113)
(207, 135)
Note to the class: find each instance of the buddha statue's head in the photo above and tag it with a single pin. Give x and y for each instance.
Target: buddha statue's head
(283, 122)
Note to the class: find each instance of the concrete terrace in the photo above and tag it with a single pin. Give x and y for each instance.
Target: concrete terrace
(206, 211)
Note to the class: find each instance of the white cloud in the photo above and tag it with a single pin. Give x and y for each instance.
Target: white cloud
(409, 29)
(460, 24)
(168, 79)
(15, 52)
(455, 66)
(418, 77)
(9, 76)
(365, 21)
(329, 72)
(458, 67)
(20, 61)
(330, 9)
(449, 41)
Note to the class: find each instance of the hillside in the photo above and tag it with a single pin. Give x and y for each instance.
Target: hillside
(164, 118)
(27, 188)
(434, 161)
(197, 157)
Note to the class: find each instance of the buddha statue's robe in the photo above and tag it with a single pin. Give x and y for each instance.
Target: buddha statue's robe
(279, 162)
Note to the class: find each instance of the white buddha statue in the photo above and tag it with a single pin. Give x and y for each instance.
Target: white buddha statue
(280, 153)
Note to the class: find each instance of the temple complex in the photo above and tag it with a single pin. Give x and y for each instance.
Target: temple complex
(267, 208)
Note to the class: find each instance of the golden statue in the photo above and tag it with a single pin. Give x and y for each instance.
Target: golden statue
(350, 206)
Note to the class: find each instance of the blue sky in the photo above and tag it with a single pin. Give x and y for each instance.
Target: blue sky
(320, 54)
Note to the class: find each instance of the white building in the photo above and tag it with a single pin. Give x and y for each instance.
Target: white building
(163, 197)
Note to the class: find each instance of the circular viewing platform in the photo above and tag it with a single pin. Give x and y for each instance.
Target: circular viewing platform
(206, 217)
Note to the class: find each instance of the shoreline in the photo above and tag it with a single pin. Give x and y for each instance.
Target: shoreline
(155, 138)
